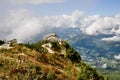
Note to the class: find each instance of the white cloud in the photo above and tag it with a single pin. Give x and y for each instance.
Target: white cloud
(104, 66)
(24, 25)
(117, 57)
(117, 16)
(20, 24)
(37, 1)
(114, 38)
(94, 25)
(64, 20)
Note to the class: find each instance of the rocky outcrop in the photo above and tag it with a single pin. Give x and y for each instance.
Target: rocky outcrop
(52, 38)
(8, 43)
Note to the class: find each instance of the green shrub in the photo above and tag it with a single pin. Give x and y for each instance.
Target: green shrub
(51, 76)
(1, 42)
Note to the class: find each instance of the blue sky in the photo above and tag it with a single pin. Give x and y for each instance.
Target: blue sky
(24, 19)
(90, 7)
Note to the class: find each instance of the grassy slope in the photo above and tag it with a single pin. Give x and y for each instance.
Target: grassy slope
(22, 63)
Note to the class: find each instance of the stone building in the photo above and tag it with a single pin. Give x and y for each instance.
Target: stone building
(12, 42)
(52, 38)
(9, 43)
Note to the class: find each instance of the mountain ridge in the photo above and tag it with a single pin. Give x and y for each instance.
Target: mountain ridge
(35, 61)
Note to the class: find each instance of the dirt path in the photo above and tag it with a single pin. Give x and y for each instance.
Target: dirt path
(46, 46)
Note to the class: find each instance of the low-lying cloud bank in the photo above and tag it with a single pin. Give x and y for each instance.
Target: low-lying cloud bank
(23, 24)
(94, 25)
(117, 57)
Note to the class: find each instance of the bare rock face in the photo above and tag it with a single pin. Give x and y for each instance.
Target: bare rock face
(52, 38)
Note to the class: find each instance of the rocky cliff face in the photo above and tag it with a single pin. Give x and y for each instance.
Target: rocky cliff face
(44, 60)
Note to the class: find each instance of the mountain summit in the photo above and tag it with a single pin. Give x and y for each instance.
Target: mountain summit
(49, 59)
(53, 44)
(52, 38)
